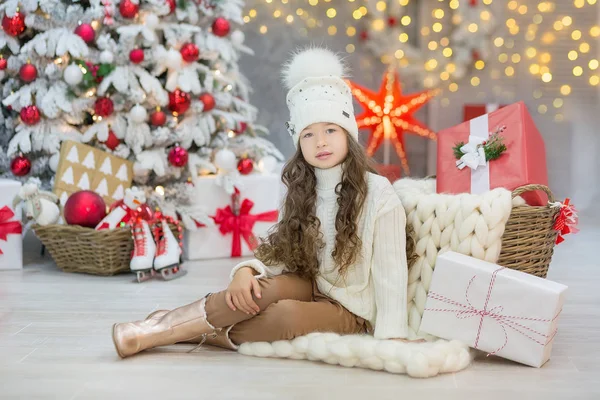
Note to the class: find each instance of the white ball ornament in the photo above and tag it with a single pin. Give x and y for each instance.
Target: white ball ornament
(152, 21)
(107, 57)
(267, 164)
(174, 59)
(53, 162)
(238, 37)
(138, 114)
(73, 75)
(226, 160)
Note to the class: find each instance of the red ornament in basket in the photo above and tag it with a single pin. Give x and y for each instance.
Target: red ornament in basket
(126, 211)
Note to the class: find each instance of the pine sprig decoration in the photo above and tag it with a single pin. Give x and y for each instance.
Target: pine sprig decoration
(493, 147)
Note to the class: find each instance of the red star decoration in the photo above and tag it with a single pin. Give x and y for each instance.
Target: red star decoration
(388, 114)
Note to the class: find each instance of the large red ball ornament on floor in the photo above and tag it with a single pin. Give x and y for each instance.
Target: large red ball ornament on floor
(28, 73)
(84, 208)
(86, 32)
(20, 166)
(179, 101)
(221, 27)
(14, 25)
(104, 107)
(128, 9)
(178, 156)
(30, 115)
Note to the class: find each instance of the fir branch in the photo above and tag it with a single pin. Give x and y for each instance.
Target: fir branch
(493, 148)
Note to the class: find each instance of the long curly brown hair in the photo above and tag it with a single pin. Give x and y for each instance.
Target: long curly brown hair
(295, 241)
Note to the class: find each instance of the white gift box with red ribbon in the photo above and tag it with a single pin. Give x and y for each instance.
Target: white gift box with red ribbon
(11, 241)
(500, 311)
(237, 228)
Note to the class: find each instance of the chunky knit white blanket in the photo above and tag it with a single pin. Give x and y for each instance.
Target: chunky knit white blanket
(469, 224)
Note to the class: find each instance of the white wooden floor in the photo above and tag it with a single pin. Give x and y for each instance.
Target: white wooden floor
(55, 344)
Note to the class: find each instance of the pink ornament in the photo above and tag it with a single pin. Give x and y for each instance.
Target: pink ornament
(178, 156)
(136, 56)
(86, 32)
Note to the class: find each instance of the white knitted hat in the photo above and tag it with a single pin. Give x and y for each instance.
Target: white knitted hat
(317, 92)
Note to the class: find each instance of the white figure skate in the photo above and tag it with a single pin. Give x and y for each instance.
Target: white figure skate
(167, 261)
(144, 249)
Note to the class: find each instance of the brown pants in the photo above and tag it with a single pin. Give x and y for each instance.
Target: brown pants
(290, 306)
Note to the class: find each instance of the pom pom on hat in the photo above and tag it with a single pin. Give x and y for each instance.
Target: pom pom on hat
(312, 62)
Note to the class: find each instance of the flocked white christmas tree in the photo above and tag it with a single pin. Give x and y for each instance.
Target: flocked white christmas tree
(154, 81)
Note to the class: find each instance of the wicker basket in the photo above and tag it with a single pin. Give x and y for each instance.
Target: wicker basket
(78, 249)
(529, 238)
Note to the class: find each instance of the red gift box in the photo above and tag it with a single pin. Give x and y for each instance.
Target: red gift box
(472, 111)
(523, 162)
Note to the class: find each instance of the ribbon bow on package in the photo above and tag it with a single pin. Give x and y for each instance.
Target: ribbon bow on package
(566, 220)
(7, 226)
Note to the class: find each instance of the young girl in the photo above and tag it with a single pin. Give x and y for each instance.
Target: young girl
(336, 260)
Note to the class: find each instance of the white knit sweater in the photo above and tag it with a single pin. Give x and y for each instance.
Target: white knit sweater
(374, 288)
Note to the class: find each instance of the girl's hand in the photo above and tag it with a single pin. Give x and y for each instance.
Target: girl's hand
(239, 292)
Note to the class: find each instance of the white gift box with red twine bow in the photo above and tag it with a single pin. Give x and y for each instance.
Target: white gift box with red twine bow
(11, 240)
(498, 310)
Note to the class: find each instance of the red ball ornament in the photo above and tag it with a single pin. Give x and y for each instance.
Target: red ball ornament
(3, 64)
(30, 115)
(86, 32)
(20, 166)
(158, 118)
(113, 141)
(136, 56)
(245, 166)
(14, 25)
(241, 128)
(172, 5)
(28, 73)
(179, 101)
(178, 156)
(189, 52)
(208, 100)
(221, 27)
(84, 208)
(128, 9)
(104, 107)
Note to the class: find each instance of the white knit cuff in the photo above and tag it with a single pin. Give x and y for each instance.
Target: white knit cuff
(254, 264)
(391, 330)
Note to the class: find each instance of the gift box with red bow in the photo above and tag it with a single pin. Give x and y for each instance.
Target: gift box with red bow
(500, 311)
(237, 220)
(500, 149)
(11, 242)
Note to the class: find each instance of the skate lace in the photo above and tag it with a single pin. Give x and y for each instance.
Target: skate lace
(205, 336)
(139, 241)
(162, 242)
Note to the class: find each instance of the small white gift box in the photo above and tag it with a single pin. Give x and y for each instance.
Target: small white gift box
(497, 310)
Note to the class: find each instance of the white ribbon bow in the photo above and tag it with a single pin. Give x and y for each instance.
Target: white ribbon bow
(474, 154)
